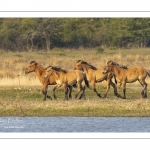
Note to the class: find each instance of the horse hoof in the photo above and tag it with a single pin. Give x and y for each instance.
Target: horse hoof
(49, 97)
(75, 97)
(99, 96)
(104, 96)
(144, 97)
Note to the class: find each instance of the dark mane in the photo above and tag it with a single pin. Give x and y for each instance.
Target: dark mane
(57, 69)
(79, 61)
(33, 61)
(84, 62)
(124, 67)
(114, 63)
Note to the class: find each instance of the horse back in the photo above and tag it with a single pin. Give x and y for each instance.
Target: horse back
(138, 70)
(73, 76)
(99, 76)
(77, 74)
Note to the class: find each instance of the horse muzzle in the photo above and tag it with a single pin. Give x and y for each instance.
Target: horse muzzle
(26, 72)
(104, 72)
(45, 76)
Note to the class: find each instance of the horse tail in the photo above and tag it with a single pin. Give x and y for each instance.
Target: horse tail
(86, 81)
(115, 79)
(148, 72)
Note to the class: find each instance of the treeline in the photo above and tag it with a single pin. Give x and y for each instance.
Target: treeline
(46, 33)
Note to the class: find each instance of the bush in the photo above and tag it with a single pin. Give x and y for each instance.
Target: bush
(112, 48)
(100, 50)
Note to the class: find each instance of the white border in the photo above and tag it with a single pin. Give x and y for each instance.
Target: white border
(74, 8)
(74, 5)
(98, 135)
(64, 14)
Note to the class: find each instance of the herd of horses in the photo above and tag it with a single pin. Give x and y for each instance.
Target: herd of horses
(85, 75)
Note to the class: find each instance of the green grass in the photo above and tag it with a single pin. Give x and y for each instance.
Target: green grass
(22, 102)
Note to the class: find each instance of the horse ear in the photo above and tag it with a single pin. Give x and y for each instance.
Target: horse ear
(33, 62)
(110, 62)
(79, 62)
(50, 67)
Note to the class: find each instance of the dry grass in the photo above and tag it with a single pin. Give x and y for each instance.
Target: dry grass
(107, 108)
(14, 64)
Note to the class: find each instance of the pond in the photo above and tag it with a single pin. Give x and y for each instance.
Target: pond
(74, 124)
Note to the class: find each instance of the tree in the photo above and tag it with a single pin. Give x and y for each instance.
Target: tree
(45, 30)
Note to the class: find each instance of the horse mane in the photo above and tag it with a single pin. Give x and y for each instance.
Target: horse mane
(114, 63)
(36, 64)
(57, 69)
(89, 65)
(33, 61)
(124, 67)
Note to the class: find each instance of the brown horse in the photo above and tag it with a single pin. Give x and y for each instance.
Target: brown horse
(125, 75)
(95, 75)
(68, 78)
(40, 72)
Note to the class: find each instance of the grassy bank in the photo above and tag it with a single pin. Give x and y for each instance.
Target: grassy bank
(28, 102)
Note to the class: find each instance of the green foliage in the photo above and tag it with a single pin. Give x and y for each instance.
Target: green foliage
(112, 48)
(99, 50)
(47, 33)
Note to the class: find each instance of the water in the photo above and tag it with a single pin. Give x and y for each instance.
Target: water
(74, 124)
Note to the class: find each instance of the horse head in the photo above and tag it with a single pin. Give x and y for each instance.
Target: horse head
(49, 71)
(106, 69)
(31, 67)
(111, 63)
(78, 65)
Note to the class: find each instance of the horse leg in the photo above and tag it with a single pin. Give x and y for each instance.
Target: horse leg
(66, 92)
(115, 89)
(124, 90)
(94, 88)
(83, 93)
(44, 91)
(108, 87)
(54, 90)
(144, 91)
(70, 91)
(79, 89)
